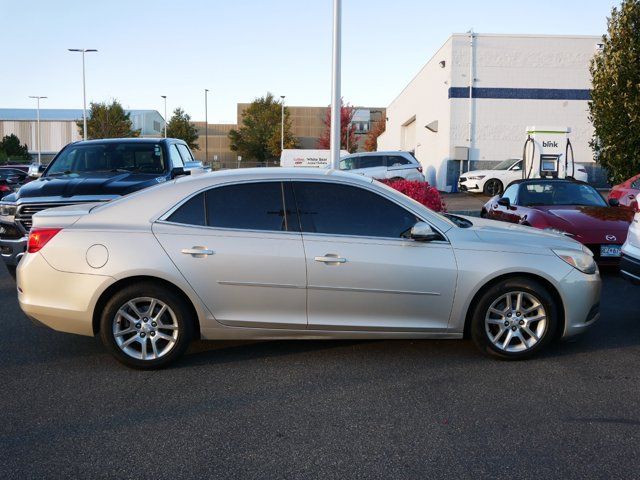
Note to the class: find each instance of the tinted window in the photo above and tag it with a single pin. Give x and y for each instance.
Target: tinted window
(636, 185)
(252, 206)
(176, 160)
(559, 193)
(371, 161)
(395, 160)
(346, 210)
(191, 213)
(132, 156)
(185, 153)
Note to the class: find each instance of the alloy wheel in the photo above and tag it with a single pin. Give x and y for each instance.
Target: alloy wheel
(515, 322)
(145, 328)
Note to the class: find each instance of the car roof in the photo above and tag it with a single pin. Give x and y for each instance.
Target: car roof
(129, 140)
(259, 173)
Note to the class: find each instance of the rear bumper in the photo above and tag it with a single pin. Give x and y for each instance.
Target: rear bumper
(12, 251)
(630, 268)
(62, 301)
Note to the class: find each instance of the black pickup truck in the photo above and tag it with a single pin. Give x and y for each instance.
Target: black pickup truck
(88, 171)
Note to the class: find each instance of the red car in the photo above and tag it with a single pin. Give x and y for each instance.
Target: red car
(569, 207)
(627, 192)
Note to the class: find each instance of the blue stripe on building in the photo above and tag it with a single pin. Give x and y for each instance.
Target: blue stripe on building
(522, 93)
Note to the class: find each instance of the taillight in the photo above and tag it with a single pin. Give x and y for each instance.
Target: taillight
(419, 169)
(4, 188)
(39, 237)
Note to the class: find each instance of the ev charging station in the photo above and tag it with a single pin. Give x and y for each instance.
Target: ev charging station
(548, 153)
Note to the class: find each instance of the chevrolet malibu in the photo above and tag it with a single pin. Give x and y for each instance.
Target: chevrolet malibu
(297, 254)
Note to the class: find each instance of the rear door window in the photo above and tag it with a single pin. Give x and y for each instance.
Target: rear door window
(371, 161)
(397, 161)
(337, 209)
(185, 153)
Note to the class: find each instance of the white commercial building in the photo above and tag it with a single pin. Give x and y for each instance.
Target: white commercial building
(58, 127)
(478, 94)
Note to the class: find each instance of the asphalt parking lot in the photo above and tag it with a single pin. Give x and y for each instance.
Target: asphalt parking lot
(314, 409)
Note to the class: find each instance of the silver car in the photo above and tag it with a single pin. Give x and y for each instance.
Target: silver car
(274, 253)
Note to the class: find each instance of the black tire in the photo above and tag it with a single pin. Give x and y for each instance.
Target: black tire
(480, 324)
(12, 271)
(182, 318)
(483, 213)
(493, 187)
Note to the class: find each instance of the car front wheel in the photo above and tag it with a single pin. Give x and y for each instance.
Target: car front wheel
(493, 187)
(146, 326)
(514, 319)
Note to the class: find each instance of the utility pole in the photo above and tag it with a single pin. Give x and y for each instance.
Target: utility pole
(206, 128)
(282, 125)
(38, 126)
(84, 88)
(335, 86)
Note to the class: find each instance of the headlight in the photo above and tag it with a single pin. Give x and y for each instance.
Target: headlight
(581, 260)
(557, 231)
(477, 177)
(7, 210)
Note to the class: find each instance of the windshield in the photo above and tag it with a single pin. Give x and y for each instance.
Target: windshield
(559, 193)
(109, 157)
(505, 164)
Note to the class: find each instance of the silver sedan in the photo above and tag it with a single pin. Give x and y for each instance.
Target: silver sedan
(297, 254)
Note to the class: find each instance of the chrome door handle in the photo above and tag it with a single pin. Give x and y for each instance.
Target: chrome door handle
(330, 258)
(197, 252)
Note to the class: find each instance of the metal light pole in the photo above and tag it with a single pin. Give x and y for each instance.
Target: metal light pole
(84, 88)
(282, 124)
(206, 129)
(165, 115)
(335, 86)
(38, 124)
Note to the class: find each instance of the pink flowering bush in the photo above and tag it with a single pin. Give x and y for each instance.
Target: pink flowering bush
(421, 192)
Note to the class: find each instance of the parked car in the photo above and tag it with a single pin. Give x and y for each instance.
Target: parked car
(274, 253)
(383, 165)
(568, 207)
(95, 170)
(18, 172)
(630, 262)
(493, 182)
(627, 192)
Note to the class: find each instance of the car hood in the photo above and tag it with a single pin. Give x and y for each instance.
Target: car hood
(107, 184)
(576, 219)
(511, 237)
(478, 173)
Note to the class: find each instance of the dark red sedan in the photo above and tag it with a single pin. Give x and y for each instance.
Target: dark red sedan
(627, 192)
(569, 207)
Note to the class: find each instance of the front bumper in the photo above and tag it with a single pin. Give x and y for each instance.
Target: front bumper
(630, 268)
(468, 186)
(581, 297)
(12, 250)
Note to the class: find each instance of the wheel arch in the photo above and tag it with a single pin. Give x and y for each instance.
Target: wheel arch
(553, 291)
(125, 282)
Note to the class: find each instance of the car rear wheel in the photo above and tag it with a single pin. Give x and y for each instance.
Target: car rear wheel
(514, 319)
(146, 326)
(493, 187)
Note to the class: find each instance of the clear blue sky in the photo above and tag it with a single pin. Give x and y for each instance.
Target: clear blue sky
(241, 49)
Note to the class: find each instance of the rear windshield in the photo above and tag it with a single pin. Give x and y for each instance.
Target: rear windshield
(109, 157)
(559, 193)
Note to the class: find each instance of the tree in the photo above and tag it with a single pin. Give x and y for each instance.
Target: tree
(258, 138)
(348, 139)
(10, 149)
(180, 126)
(615, 97)
(108, 120)
(371, 142)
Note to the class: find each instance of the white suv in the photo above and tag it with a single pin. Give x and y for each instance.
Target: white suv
(384, 165)
(630, 262)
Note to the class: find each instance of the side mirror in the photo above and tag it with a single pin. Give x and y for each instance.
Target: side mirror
(614, 202)
(504, 201)
(179, 171)
(422, 232)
